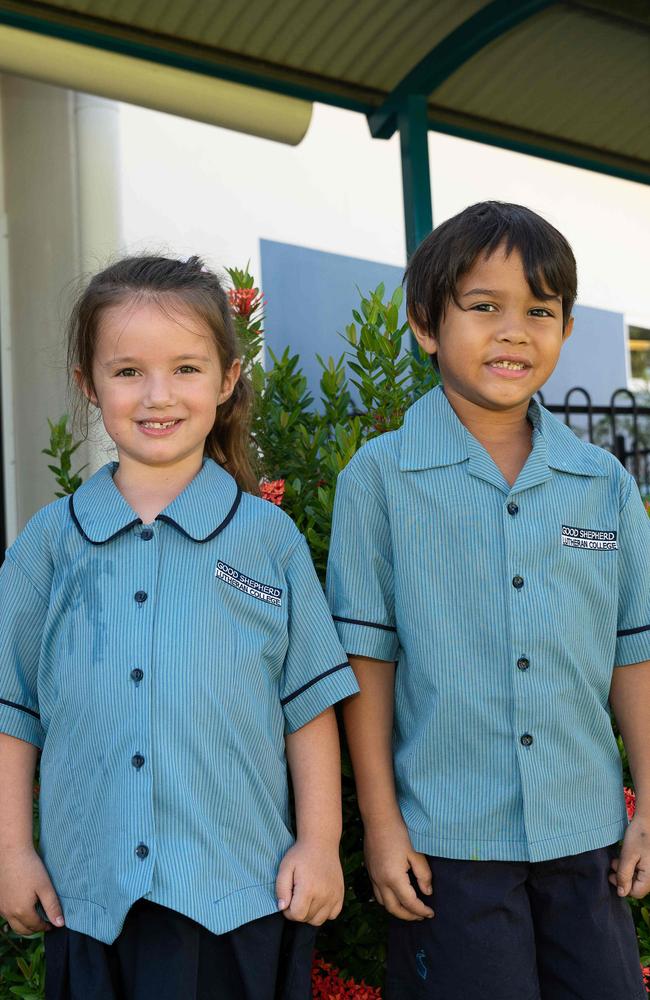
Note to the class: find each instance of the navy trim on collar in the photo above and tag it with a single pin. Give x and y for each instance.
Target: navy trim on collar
(204, 508)
(433, 436)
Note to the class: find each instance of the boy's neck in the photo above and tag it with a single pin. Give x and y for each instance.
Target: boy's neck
(149, 489)
(505, 434)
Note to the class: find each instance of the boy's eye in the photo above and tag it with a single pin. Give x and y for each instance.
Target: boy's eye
(540, 311)
(484, 307)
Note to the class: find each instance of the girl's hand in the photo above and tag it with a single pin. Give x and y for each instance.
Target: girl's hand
(309, 886)
(389, 858)
(24, 882)
(631, 871)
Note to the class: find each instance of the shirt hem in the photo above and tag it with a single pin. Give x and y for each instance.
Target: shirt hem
(519, 850)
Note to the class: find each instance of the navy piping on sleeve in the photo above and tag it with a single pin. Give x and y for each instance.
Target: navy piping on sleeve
(633, 631)
(226, 521)
(355, 621)
(21, 708)
(314, 680)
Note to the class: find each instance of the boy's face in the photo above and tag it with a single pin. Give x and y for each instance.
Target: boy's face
(501, 343)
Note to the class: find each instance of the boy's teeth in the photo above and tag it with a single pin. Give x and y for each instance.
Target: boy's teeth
(514, 366)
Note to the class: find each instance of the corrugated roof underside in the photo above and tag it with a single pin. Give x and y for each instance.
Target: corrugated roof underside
(563, 73)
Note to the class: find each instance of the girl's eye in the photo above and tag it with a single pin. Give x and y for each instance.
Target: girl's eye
(540, 311)
(187, 369)
(126, 372)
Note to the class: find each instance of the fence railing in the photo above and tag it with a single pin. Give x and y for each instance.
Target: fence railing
(622, 429)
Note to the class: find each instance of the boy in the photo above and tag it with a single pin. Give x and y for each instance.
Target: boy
(490, 578)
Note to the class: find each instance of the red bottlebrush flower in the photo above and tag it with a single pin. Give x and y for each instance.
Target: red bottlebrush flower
(327, 984)
(244, 301)
(646, 504)
(646, 977)
(630, 802)
(272, 491)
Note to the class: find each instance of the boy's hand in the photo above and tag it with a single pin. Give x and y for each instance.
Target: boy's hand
(631, 870)
(24, 882)
(309, 886)
(389, 857)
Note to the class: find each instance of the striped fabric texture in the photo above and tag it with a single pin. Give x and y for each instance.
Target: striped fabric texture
(507, 610)
(159, 667)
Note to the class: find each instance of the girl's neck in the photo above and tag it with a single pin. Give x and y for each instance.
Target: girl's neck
(149, 489)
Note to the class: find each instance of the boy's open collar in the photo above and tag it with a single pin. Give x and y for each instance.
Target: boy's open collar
(432, 436)
(203, 509)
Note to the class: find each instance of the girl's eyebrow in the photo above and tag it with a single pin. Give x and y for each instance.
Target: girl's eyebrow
(177, 360)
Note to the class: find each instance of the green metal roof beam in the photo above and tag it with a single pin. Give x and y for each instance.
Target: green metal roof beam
(450, 54)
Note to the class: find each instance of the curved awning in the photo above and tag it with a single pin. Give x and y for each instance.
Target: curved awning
(569, 81)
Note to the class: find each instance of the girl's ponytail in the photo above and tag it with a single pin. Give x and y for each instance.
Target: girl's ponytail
(229, 442)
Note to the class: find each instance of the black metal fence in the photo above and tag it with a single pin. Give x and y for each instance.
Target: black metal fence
(622, 428)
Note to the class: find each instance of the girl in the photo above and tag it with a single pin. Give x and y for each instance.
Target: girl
(166, 644)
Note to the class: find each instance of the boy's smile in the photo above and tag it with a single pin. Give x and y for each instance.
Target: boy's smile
(498, 343)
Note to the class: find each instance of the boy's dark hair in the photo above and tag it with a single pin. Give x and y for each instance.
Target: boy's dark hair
(451, 249)
(174, 285)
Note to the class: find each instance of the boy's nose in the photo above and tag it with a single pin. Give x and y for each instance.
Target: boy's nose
(513, 332)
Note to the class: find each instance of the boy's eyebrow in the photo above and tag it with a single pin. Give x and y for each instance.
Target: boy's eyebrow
(492, 291)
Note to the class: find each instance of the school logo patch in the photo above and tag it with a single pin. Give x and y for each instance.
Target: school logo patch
(588, 538)
(260, 591)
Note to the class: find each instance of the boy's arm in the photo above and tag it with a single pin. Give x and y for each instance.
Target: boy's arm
(309, 885)
(23, 878)
(630, 702)
(389, 854)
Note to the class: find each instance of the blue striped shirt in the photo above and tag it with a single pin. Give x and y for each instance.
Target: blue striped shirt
(507, 609)
(159, 668)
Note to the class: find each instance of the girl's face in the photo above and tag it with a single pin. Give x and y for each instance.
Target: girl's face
(157, 380)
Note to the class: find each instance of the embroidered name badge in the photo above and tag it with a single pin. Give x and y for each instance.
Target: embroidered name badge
(588, 538)
(260, 591)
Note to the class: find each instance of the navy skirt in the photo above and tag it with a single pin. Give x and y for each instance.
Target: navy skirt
(163, 955)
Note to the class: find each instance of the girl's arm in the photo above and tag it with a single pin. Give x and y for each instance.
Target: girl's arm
(309, 885)
(630, 701)
(23, 878)
(389, 853)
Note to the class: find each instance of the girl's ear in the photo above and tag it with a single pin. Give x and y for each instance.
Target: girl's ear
(229, 380)
(83, 386)
(426, 340)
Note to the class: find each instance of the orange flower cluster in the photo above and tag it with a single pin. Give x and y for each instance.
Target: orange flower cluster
(328, 985)
(630, 802)
(244, 301)
(272, 491)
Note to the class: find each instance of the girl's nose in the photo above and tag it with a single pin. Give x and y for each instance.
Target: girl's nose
(158, 392)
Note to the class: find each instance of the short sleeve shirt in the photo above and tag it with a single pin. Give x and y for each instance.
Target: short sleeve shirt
(507, 610)
(159, 667)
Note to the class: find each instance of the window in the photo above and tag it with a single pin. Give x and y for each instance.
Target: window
(639, 343)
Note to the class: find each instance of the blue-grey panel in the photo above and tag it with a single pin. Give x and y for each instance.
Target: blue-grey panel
(310, 297)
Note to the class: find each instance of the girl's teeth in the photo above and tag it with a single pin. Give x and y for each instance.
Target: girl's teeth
(157, 425)
(514, 366)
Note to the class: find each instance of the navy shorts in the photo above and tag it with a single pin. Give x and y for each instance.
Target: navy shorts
(162, 955)
(551, 930)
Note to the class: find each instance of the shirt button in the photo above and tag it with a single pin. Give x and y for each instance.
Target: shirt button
(526, 740)
(137, 674)
(517, 583)
(142, 851)
(146, 534)
(137, 760)
(523, 663)
(512, 508)
(140, 596)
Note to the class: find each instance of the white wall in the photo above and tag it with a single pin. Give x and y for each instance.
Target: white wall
(193, 188)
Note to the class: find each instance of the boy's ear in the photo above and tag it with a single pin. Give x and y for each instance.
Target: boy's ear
(568, 329)
(83, 386)
(426, 340)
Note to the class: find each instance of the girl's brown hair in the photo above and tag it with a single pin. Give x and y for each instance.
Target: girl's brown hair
(194, 287)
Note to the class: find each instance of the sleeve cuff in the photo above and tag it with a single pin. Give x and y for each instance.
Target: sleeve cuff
(322, 692)
(361, 638)
(21, 723)
(632, 646)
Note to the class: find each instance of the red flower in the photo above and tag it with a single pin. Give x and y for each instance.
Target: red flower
(327, 984)
(646, 977)
(244, 301)
(630, 802)
(273, 491)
